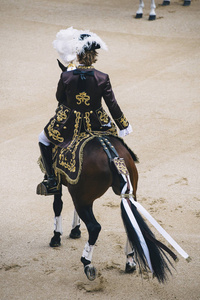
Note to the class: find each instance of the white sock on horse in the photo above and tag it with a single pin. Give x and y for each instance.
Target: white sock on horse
(88, 251)
(58, 224)
(76, 220)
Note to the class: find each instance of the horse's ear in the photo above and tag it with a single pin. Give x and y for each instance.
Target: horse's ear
(63, 68)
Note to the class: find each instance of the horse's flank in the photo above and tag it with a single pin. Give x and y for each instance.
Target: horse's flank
(97, 175)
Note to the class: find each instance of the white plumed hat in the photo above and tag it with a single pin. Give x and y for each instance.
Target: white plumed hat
(66, 44)
(89, 41)
(70, 42)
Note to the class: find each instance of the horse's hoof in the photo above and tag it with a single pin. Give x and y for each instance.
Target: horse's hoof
(56, 240)
(130, 267)
(75, 233)
(166, 2)
(139, 16)
(152, 17)
(186, 3)
(90, 272)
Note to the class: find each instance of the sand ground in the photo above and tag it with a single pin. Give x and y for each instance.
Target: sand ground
(154, 69)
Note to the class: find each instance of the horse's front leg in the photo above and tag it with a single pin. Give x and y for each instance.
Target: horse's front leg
(152, 15)
(57, 207)
(75, 232)
(139, 13)
(93, 227)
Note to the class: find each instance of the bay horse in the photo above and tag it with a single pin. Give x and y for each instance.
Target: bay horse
(152, 14)
(99, 172)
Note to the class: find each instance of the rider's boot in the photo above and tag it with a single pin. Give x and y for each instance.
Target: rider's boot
(49, 185)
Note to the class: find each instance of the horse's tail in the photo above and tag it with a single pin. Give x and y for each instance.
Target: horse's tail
(148, 251)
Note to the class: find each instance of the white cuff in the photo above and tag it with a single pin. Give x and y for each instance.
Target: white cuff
(125, 131)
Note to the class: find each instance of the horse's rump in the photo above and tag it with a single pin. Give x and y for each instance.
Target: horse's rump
(68, 161)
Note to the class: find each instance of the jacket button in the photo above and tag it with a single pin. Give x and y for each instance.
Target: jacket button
(64, 127)
(75, 111)
(91, 111)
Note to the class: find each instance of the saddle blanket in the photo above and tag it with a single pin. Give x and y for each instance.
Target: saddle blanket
(68, 161)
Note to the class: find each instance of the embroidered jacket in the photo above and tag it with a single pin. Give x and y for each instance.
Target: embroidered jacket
(79, 94)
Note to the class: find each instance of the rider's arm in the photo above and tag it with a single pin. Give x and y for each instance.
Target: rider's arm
(113, 106)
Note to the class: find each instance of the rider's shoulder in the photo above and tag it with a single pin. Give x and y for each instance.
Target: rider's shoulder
(66, 74)
(100, 73)
(101, 77)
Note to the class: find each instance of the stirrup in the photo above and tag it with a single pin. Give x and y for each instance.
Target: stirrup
(42, 189)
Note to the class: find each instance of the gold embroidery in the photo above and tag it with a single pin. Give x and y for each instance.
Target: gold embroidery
(87, 121)
(71, 166)
(103, 117)
(71, 65)
(113, 130)
(83, 97)
(62, 114)
(55, 134)
(77, 123)
(120, 165)
(123, 121)
(85, 67)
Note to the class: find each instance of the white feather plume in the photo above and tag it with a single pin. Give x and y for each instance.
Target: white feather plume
(92, 38)
(66, 44)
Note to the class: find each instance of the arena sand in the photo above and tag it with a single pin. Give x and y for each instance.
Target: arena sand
(154, 69)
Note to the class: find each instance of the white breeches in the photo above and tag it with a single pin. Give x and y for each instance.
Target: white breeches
(43, 139)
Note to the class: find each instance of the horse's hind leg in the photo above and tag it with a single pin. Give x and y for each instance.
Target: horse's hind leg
(93, 227)
(75, 232)
(57, 207)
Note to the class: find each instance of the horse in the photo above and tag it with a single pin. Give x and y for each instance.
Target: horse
(109, 162)
(152, 14)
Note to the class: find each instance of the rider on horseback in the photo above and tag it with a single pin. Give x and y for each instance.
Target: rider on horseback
(79, 94)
